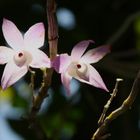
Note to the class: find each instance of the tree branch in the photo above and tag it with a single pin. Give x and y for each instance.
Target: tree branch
(100, 132)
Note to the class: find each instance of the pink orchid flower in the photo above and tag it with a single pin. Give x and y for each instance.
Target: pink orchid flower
(23, 53)
(78, 65)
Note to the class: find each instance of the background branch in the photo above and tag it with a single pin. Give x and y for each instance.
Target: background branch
(116, 36)
(100, 132)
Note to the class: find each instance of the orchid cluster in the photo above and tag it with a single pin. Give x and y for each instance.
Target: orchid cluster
(24, 53)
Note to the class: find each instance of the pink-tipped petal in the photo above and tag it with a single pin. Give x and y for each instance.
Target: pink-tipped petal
(6, 54)
(12, 35)
(66, 79)
(61, 62)
(12, 73)
(95, 78)
(94, 55)
(39, 59)
(34, 37)
(79, 49)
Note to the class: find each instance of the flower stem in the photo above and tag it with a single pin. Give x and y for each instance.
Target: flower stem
(52, 28)
(47, 73)
(53, 40)
(32, 82)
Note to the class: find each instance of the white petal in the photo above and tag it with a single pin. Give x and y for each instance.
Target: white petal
(95, 78)
(12, 35)
(6, 54)
(92, 77)
(94, 55)
(12, 73)
(79, 49)
(34, 37)
(39, 59)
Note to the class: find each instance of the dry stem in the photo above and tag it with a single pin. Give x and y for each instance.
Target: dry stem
(100, 132)
(106, 107)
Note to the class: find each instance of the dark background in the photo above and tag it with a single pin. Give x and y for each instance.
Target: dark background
(105, 21)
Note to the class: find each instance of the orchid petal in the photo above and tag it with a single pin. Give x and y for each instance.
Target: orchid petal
(93, 78)
(12, 73)
(5, 54)
(79, 49)
(94, 55)
(39, 59)
(12, 35)
(34, 37)
(61, 62)
(66, 78)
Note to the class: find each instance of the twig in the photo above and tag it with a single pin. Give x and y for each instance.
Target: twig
(106, 107)
(100, 132)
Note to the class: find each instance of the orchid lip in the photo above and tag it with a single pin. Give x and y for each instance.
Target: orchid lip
(21, 58)
(78, 66)
(82, 70)
(78, 69)
(20, 54)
